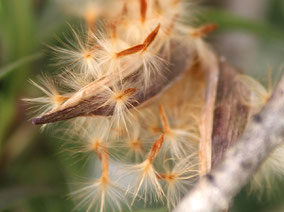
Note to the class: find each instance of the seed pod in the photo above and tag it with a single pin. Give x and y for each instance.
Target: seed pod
(180, 61)
(230, 115)
(221, 102)
(144, 75)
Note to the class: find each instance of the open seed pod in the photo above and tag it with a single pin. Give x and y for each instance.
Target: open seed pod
(221, 115)
(87, 101)
(224, 115)
(160, 96)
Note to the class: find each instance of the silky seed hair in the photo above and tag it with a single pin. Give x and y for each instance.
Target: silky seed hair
(131, 87)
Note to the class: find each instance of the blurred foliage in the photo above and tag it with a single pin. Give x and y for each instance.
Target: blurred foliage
(227, 21)
(35, 172)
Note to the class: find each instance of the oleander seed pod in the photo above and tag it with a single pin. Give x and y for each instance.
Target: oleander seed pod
(146, 90)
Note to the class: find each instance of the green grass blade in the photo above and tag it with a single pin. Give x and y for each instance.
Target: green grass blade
(13, 66)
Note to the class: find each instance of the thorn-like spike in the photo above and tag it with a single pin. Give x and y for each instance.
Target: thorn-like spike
(143, 10)
(131, 50)
(126, 93)
(151, 37)
(204, 30)
(164, 119)
(156, 148)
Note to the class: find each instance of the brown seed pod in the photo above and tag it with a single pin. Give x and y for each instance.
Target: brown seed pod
(231, 114)
(224, 116)
(180, 61)
(145, 76)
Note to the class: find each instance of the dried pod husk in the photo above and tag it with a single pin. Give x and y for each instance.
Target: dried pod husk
(224, 116)
(230, 115)
(179, 61)
(180, 85)
(211, 71)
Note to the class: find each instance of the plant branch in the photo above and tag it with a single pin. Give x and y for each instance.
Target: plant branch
(263, 134)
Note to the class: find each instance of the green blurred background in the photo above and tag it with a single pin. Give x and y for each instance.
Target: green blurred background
(35, 171)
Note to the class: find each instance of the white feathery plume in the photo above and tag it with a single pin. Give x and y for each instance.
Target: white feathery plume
(148, 186)
(179, 177)
(52, 98)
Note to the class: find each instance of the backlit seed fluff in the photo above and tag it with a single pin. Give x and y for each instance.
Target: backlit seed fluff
(131, 93)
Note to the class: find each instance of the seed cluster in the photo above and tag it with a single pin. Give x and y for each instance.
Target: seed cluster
(131, 86)
(120, 73)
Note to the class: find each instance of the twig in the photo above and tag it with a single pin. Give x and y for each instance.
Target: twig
(264, 133)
